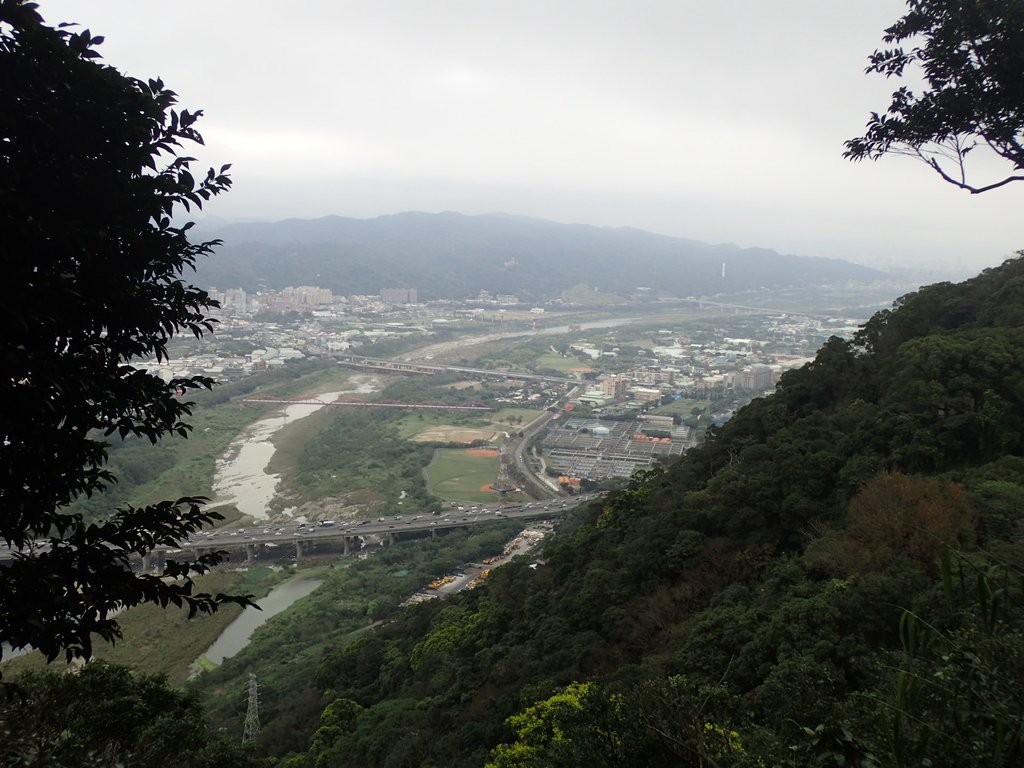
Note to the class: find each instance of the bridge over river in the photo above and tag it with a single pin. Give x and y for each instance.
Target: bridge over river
(250, 544)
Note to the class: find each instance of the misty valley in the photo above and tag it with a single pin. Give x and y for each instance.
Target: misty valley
(540, 385)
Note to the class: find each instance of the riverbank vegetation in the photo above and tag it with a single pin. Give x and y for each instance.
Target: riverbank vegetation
(180, 466)
(351, 450)
(357, 594)
(165, 641)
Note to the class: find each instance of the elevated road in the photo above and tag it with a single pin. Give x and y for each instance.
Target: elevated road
(533, 485)
(297, 535)
(401, 366)
(390, 526)
(302, 536)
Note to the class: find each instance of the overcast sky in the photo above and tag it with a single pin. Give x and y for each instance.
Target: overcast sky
(717, 120)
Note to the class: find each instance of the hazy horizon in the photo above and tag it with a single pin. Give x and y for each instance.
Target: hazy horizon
(722, 123)
(912, 272)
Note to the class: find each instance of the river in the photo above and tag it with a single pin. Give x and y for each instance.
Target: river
(241, 477)
(238, 633)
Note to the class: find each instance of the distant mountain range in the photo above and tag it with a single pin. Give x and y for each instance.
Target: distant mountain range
(451, 255)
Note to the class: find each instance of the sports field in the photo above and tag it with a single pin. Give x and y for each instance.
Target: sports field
(463, 474)
(449, 434)
(485, 425)
(556, 362)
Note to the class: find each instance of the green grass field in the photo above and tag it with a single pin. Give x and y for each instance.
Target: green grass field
(459, 475)
(555, 362)
(681, 407)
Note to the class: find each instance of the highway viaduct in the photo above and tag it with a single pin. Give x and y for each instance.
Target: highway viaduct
(399, 366)
(249, 546)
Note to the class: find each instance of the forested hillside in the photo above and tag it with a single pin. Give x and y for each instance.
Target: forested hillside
(833, 579)
(450, 255)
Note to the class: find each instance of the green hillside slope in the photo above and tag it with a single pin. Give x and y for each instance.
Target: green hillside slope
(450, 255)
(832, 579)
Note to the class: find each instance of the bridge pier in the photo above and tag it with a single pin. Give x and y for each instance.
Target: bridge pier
(298, 550)
(346, 540)
(154, 561)
(250, 554)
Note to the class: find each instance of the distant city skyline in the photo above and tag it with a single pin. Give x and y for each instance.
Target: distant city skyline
(720, 122)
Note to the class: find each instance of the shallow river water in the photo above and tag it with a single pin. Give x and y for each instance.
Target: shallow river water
(241, 477)
(238, 633)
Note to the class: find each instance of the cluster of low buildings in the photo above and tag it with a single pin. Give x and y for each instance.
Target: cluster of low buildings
(615, 428)
(692, 369)
(323, 302)
(266, 329)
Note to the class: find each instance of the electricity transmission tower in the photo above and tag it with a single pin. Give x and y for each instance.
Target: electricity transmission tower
(252, 715)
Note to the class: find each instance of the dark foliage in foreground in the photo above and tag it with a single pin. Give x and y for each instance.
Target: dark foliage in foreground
(89, 178)
(106, 715)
